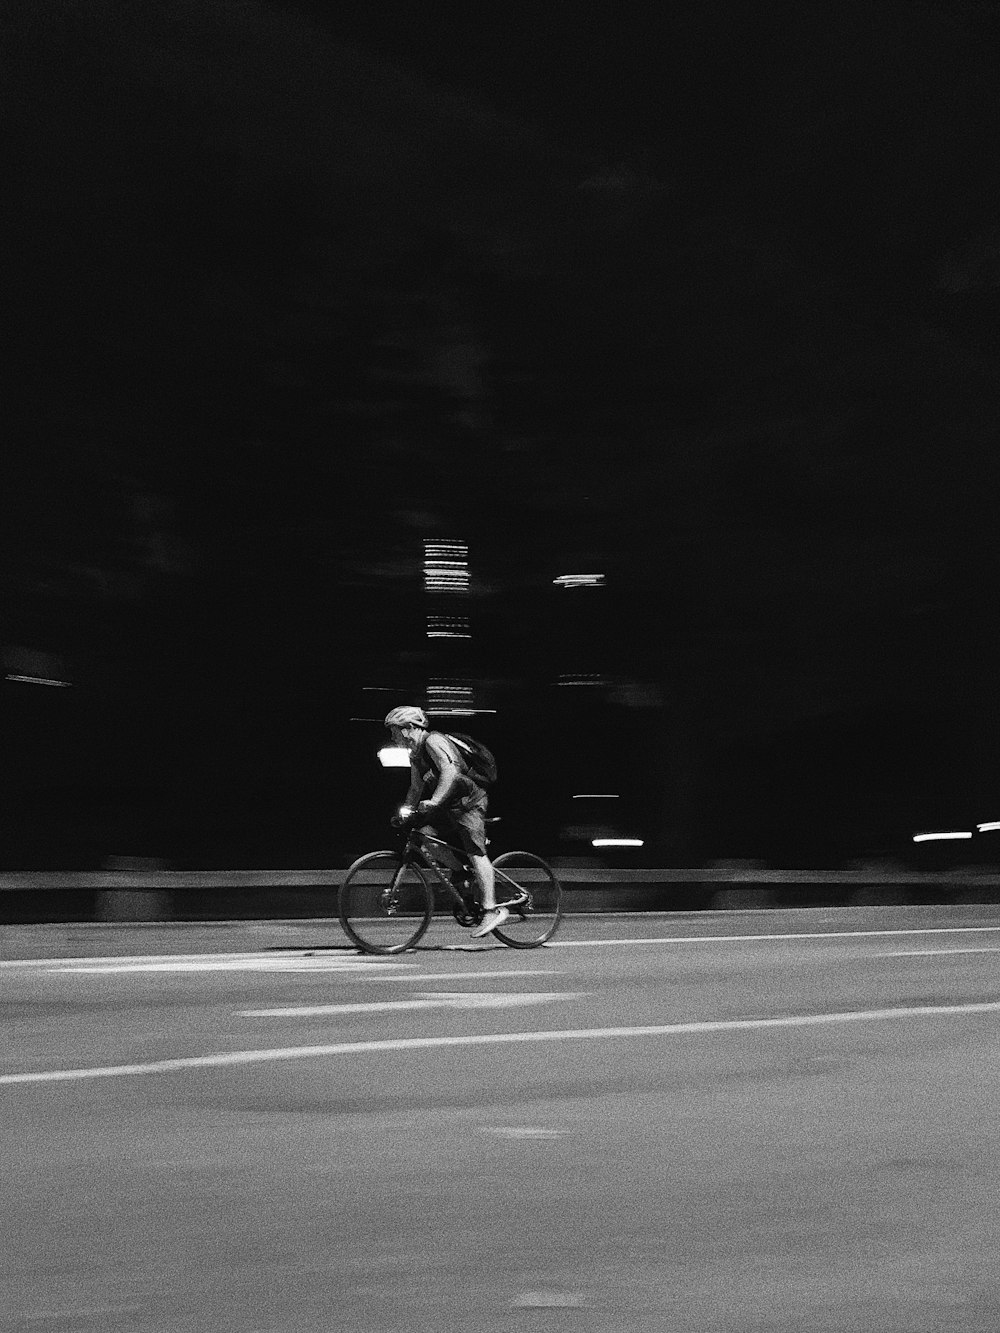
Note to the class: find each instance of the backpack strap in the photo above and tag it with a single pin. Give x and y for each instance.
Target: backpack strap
(463, 750)
(460, 749)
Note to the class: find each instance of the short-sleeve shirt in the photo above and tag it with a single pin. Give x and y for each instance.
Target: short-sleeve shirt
(466, 794)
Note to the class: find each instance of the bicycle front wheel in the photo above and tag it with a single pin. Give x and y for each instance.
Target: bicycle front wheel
(536, 919)
(385, 903)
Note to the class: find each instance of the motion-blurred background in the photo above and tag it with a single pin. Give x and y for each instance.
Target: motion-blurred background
(623, 388)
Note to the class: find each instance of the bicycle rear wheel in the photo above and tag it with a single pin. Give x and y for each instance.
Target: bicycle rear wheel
(385, 903)
(537, 918)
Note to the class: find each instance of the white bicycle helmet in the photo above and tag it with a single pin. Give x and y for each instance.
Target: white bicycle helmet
(407, 717)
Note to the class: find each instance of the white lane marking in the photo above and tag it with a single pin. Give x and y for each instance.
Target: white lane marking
(522, 1132)
(353, 960)
(930, 953)
(537, 1300)
(80, 1312)
(223, 1058)
(130, 962)
(458, 999)
(483, 974)
(234, 963)
(129, 958)
(744, 939)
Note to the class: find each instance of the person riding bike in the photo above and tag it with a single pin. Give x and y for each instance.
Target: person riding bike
(456, 806)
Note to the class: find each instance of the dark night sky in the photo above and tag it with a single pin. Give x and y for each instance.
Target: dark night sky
(708, 300)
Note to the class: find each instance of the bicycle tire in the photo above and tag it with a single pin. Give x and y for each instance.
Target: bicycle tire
(531, 926)
(373, 921)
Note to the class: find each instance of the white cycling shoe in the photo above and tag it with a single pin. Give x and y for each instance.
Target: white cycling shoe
(496, 917)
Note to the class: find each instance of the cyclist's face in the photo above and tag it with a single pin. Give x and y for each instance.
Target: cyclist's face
(405, 736)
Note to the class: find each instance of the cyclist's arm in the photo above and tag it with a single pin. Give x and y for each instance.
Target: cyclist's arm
(412, 797)
(448, 772)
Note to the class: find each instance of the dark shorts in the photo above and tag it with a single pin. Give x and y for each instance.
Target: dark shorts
(464, 823)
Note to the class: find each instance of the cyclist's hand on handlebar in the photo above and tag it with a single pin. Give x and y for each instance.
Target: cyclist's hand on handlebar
(404, 817)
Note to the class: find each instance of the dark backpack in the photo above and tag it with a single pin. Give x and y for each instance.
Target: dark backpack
(480, 762)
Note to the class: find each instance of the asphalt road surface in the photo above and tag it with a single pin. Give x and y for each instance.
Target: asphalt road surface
(660, 1123)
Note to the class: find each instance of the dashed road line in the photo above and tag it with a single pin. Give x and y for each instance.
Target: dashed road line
(934, 953)
(384, 1046)
(349, 962)
(747, 939)
(482, 974)
(538, 1300)
(235, 963)
(522, 1131)
(458, 999)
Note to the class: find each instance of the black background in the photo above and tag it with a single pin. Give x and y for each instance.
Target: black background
(706, 303)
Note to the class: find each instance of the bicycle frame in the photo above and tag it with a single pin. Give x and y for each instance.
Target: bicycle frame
(415, 852)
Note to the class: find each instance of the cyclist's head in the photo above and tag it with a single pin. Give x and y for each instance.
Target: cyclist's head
(407, 717)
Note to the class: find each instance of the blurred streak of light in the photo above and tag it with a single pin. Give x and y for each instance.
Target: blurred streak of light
(597, 796)
(991, 827)
(394, 756)
(41, 680)
(581, 680)
(938, 837)
(456, 712)
(616, 842)
(450, 691)
(580, 581)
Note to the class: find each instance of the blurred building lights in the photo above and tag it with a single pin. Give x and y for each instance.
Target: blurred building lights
(597, 796)
(581, 680)
(945, 836)
(452, 698)
(446, 572)
(616, 842)
(394, 756)
(446, 567)
(579, 581)
(991, 827)
(448, 627)
(449, 696)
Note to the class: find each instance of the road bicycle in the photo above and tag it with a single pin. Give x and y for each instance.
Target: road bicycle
(387, 898)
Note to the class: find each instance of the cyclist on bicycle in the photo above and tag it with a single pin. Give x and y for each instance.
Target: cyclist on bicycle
(456, 805)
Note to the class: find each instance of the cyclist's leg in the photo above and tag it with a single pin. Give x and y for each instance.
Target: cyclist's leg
(482, 868)
(471, 825)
